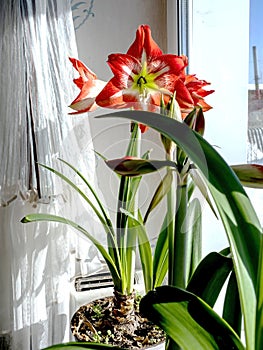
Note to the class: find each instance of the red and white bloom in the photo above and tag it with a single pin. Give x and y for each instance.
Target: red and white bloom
(143, 75)
(142, 78)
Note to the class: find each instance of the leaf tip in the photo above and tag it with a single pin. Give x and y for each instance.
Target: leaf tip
(24, 220)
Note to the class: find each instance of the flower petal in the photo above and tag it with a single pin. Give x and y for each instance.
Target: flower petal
(144, 41)
(195, 87)
(111, 96)
(85, 73)
(124, 67)
(89, 85)
(85, 101)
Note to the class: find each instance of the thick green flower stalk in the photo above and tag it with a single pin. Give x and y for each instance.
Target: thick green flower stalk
(183, 216)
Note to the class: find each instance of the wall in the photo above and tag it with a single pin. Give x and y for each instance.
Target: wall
(110, 28)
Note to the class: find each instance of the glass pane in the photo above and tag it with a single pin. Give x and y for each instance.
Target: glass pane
(255, 94)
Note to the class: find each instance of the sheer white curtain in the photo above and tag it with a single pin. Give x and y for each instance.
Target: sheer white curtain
(36, 38)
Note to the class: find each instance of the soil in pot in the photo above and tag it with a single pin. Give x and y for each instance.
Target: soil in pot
(101, 321)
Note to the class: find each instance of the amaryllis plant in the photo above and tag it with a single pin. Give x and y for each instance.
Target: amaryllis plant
(144, 78)
(148, 83)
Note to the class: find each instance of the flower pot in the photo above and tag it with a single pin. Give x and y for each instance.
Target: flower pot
(101, 321)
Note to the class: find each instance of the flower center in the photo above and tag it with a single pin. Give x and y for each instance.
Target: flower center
(141, 81)
(144, 82)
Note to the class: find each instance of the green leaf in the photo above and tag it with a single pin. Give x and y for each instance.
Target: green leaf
(102, 215)
(100, 155)
(188, 320)
(195, 233)
(160, 193)
(108, 259)
(130, 254)
(126, 193)
(145, 250)
(202, 186)
(181, 248)
(232, 309)
(81, 345)
(133, 146)
(259, 317)
(106, 216)
(237, 214)
(160, 257)
(210, 276)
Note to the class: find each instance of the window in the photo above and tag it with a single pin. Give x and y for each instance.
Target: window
(255, 94)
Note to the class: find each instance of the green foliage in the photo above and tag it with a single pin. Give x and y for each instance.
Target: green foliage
(188, 320)
(187, 315)
(129, 230)
(241, 224)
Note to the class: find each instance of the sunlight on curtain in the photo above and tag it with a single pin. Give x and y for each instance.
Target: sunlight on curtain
(36, 38)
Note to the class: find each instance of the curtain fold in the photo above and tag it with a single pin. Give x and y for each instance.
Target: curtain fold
(36, 38)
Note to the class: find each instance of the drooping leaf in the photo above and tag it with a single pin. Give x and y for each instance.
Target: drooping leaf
(102, 216)
(113, 266)
(100, 211)
(188, 320)
(100, 155)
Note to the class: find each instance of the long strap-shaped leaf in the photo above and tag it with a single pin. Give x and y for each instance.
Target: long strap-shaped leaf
(238, 216)
(104, 219)
(107, 225)
(112, 244)
(108, 259)
(83, 178)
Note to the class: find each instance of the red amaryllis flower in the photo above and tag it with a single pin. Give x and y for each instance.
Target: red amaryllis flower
(89, 85)
(143, 75)
(197, 92)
